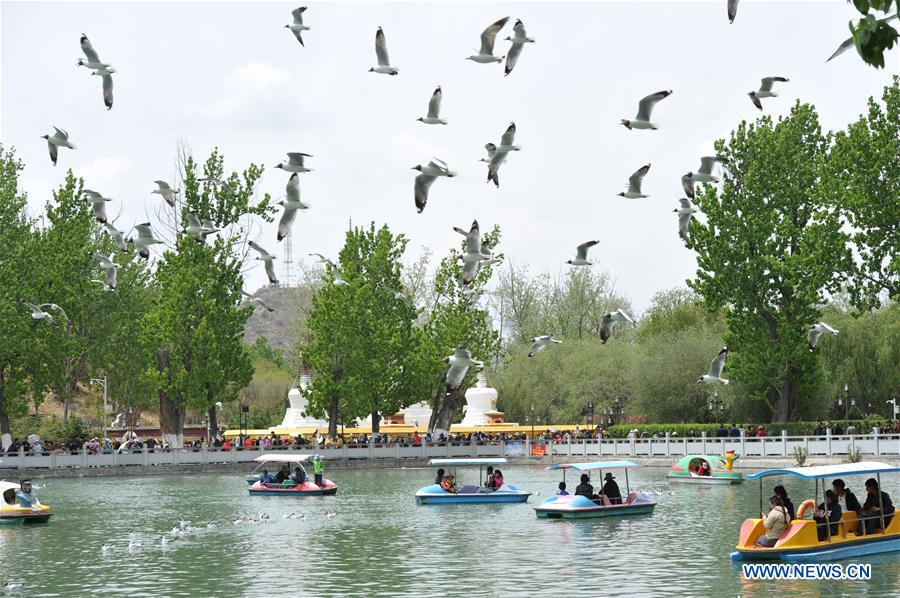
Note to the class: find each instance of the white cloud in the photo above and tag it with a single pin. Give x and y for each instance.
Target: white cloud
(256, 78)
(103, 171)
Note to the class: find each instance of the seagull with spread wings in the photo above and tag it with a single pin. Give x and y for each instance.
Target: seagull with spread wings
(581, 255)
(268, 259)
(645, 109)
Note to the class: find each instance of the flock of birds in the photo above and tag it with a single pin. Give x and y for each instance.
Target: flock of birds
(476, 252)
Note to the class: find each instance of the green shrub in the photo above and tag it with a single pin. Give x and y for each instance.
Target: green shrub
(863, 426)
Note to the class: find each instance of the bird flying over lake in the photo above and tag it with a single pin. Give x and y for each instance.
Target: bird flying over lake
(297, 27)
(634, 183)
(381, 54)
(460, 362)
(645, 109)
(488, 36)
(519, 39)
(609, 320)
(166, 191)
(812, 337)
(268, 259)
(715, 369)
(540, 343)
(291, 204)
(581, 254)
(434, 109)
(431, 171)
(765, 90)
(59, 138)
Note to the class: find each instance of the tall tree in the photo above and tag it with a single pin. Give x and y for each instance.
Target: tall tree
(770, 249)
(874, 34)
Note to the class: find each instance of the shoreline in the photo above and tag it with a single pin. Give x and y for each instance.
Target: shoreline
(749, 463)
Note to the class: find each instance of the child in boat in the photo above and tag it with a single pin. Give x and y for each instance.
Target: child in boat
(449, 483)
(265, 477)
(562, 489)
(775, 523)
(832, 509)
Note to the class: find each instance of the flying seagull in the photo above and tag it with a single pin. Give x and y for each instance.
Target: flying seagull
(399, 295)
(93, 60)
(812, 337)
(765, 90)
(38, 313)
(634, 183)
(109, 265)
(459, 362)
(498, 153)
(60, 138)
(685, 211)
(429, 173)
(116, 235)
(257, 300)
(98, 203)
(166, 191)
(217, 182)
(486, 53)
(715, 369)
(291, 204)
(297, 27)
(703, 175)
(323, 260)
(475, 255)
(384, 63)
(434, 109)
(609, 320)
(268, 259)
(732, 10)
(581, 255)
(106, 75)
(493, 166)
(295, 163)
(645, 109)
(519, 39)
(541, 343)
(144, 239)
(197, 229)
(849, 43)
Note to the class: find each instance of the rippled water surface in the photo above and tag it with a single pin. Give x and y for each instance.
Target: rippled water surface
(379, 542)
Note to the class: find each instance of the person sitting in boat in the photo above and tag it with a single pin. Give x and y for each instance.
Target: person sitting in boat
(877, 503)
(775, 523)
(489, 478)
(498, 479)
(585, 488)
(299, 476)
(611, 489)
(562, 490)
(782, 494)
(26, 498)
(846, 499)
(829, 511)
(439, 478)
(282, 474)
(449, 483)
(703, 468)
(265, 477)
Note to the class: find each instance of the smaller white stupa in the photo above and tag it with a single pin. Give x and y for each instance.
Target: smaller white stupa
(481, 404)
(418, 414)
(294, 416)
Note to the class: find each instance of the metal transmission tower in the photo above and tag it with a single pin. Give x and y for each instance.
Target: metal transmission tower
(288, 260)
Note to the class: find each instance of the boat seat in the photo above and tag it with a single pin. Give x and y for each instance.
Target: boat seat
(603, 502)
(468, 490)
(632, 496)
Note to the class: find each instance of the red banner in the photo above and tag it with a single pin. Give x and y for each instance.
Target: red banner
(538, 450)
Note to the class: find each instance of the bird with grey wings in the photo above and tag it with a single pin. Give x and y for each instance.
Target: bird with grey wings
(291, 205)
(609, 321)
(268, 259)
(143, 240)
(59, 138)
(434, 109)
(645, 110)
(634, 184)
(518, 39)
(765, 90)
(428, 174)
(381, 55)
(459, 362)
(715, 369)
(297, 27)
(704, 174)
(812, 337)
(540, 343)
(581, 254)
(485, 54)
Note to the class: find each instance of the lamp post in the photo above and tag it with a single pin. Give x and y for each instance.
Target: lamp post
(102, 383)
(591, 407)
(716, 406)
(532, 422)
(895, 408)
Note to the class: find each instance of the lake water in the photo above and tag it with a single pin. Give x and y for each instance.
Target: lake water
(380, 543)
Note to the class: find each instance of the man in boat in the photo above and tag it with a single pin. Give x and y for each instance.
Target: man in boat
(611, 489)
(585, 488)
(26, 498)
(318, 470)
(829, 511)
(846, 499)
(562, 489)
(489, 478)
(299, 476)
(877, 503)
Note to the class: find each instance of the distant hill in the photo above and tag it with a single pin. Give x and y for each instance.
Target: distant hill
(280, 327)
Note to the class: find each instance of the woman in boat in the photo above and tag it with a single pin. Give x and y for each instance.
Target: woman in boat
(703, 468)
(498, 479)
(585, 488)
(832, 509)
(489, 478)
(782, 494)
(877, 502)
(846, 499)
(439, 478)
(775, 523)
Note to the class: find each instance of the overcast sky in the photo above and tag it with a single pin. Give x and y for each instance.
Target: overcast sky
(228, 74)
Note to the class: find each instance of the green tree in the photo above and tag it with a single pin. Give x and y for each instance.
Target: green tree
(771, 247)
(873, 34)
(864, 183)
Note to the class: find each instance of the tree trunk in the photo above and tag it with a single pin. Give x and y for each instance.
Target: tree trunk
(785, 402)
(436, 405)
(448, 409)
(333, 409)
(376, 422)
(213, 423)
(171, 416)
(5, 430)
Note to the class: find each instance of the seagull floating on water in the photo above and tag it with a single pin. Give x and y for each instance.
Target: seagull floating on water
(685, 211)
(812, 337)
(166, 191)
(290, 204)
(645, 109)
(297, 27)
(634, 183)
(519, 39)
(268, 259)
(60, 138)
(434, 109)
(459, 362)
(384, 63)
(715, 369)
(765, 90)
(13, 585)
(488, 36)
(609, 321)
(541, 343)
(581, 255)
(295, 163)
(429, 173)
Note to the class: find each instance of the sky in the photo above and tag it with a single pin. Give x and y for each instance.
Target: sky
(228, 75)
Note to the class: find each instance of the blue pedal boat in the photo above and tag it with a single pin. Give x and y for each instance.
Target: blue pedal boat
(573, 506)
(470, 494)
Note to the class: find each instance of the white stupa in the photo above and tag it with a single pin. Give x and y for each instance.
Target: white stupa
(481, 404)
(418, 414)
(294, 416)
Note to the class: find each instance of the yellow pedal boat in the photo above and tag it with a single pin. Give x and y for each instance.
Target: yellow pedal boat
(19, 505)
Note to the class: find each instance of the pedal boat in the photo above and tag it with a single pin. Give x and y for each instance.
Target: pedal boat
(470, 494)
(287, 488)
(15, 510)
(800, 542)
(578, 506)
(685, 471)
